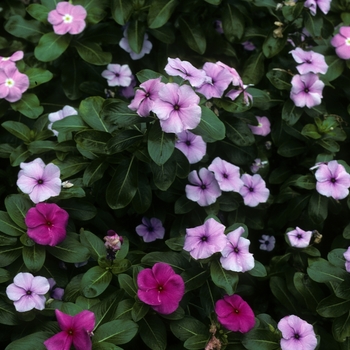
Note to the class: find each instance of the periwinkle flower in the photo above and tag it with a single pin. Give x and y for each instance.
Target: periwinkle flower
(347, 259)
(59, 115)
(177, 108)
(47, 223)
(203, 187)
(128, 91)
(38, 180)
(67, 18)
(341, 42)
(161, 288)
(205, 240)
(267, 242)
(254, 190)
(306, 90)
(310, 61)
(323, 5)
(248, 45)
(117, 75)
(235, 314)
(184, 69)
(28, 292)
(55, 292)
(150, 229)
(76, 331)
(263, 128)
(145, 97)
(235, 255)
(226, 174)
(191, 145)
(297, 334)
(12, 83)
(299, 238)
(146, 46)
(332, 180)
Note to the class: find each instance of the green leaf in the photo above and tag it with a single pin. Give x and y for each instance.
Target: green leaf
(258, 270)
(346, 232)
(37, 147)
(20, 130)
(153, 332)
(4, 275)
(139, 310)
(165, 174)
(72, 75)
(291, 113)
(164, 34)
(228, 280)
(95, 9)
(211, 128)
(196, 342)
(39, 12)
(17, 206)
(310, 130)
(93, 140)
(120, 265)
(71, 166)
(279, 79)
(261, 339)
(8, 255)
(291, 148)
(194, 277)
(306, 181)
(127, 284)
(313, 24)
(69, 124)
(333, 306)
(121, 10)
(93, 243)
(92, 53)
(160, 144)
(335, 68)
(176, 260)
(38, 76)
(79, 209)
(272, 46)
(322, 271)
(232, 22)
(187, 327)
(123, 140)
(183, 205)
(341, 327)
(318, 207)
(123, 185)
(160, 12)
(279, 289)
(25, 29)
(239, 133)
(143, 196)
(28, 105)
(95, 281)
(51, 46)
(90, 109)
(116, 332)
(329, 145)
(193, 35)
(136, 32)
(146, 74)
(30, 342)
(94, 171)
(292, 12)
(34, 257)
(254, 69)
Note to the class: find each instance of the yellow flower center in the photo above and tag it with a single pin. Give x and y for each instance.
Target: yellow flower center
(5, 58)
(67, 18)
(9, 82)
(347, 41)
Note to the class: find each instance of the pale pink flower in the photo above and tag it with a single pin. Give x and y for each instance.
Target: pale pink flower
(117, 75)
(235, 255)
(191, 145)
(263, 128)
(11, 60)
(299, 238)
(28, 292)
(150, 229)
(310, 61)
(205, 240)
(38, 180)
(341, 42)
(59, 115)
(146, 46)
(67, 18)
(254, 190)
(347, 259)
(235, 77)
(12, 83)
(323, 5)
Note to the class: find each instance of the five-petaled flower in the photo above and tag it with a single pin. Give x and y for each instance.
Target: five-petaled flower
(323, 5)
(28, 292)
(161, 288)
(254, 190)
(310, 61)
(263, 128)
(47, 223)
(191, 145)
(38, 180)
(341, 42)
(235, 255)
(150, 229)
(76, 330)
(59, 115)
(67, 18)
(235, 314)
(299, 238)
(332, 180)
(205, 240)
(12, 83)
(297, 334)
(117, 75)
(267, 242)
(203, 187)
(146, 46)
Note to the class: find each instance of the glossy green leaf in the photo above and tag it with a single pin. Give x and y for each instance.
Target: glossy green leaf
(232, 22)
(69, 123)
(34, 257)
(38, 11)
(123, 140)
(279, 79)
(94, 171)
(193, 34)
(92, 53)
(17, 206)
(280, 290)
(28, 105)
(262, 339)
(17, 129)
(93, 140)
(160, 12)
(341, 327)
(136, 33)
(139, 310)
(143, 196)
(333, 306)
(25, 29)
(121, 10)
(194, 277)
(187, 327)
(322, 271)
(95, 281)
(116, 332)
(71, 166)
(127, 284)
(227, 280)
(90, 110)
(272, 46)
(51, 46)
(164, 175)
(38, 76)
(239, 133)
(93, 243)
(153, 332)
(254, 69)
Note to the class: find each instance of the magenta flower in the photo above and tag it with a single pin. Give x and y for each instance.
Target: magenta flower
(146, 46)
(226, 174)
(220, 79)
(204, 189)
(297, 334)
(347, 259)
(38, 180)
(299, 238)
(306, 90)
(12, 83)
(323, 5)
(59, 115)
(28, 292)
(113, 241)
(76, 331)
(332, 180)
(205, 240)
(161, 288)
(310, 61)
(235, 314)
(150, 229)
(263, 128)
(145, 97)
(341, 42)
(235, 255)
(191, 145)
(16, 56)
(254, 190)
(185, 70)
(46, 224)
(177, 108)
(117, 75)
(67, 18)
(267, 243)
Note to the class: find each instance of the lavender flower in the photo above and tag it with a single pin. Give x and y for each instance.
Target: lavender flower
(267, 242)
(254, 190)
(117, 75)
(150, 229)
(146, 46)
(310, 61)
(257, 165)
(191, 145)
(249, 46)
(205, 240)
(203, 188)
(323, 5)
(299, 238)
(347, 259)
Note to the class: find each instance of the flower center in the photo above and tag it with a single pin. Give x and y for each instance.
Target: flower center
(204, 238)
(70, 332)
(188, 143)
(236, 311)
(347, 41)
(333, 180)
(40, 182)
(296, 336)
(160, 288)
(308, 61)
(299, 236)
(9, 82)
(306, 90)
(236, 250)
(67, 18)
(148, 94)
(176, 107)
(49, 223)
(203, 187)
(5, 58)
(267, 242)
(251, 189)
(29, 292)
(150, 229)
(225, 176)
